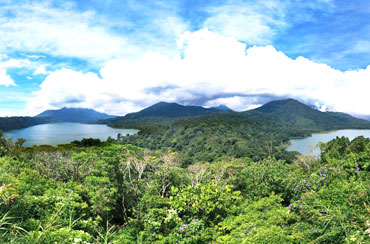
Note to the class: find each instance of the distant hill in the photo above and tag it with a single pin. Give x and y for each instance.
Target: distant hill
(14, 123)
(170, 110)
(223, 108)
(208, 134)
(287, 112)
(365, 117)
(299, 115)
(78, 115)
(158, 115)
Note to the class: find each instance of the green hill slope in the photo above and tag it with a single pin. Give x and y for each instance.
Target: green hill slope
(170, 110)
(299, 115)
(14, 123)
(80, 115)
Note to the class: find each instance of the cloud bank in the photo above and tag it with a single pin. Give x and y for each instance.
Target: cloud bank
(208, 69)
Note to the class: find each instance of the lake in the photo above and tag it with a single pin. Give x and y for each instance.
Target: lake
(306, 146)
(62, 133)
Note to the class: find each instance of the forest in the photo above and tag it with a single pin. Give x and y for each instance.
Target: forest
(113, 192)
(213, 137)
(210, 135)
(13, 123)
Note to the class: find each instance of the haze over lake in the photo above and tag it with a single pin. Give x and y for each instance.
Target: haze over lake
(61, 133)
(306, 146)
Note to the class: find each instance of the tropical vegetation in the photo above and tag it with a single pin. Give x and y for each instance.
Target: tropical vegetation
(209, 177)
(106, 192)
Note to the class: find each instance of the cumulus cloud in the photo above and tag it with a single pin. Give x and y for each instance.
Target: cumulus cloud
(5, 79)
(209, 69)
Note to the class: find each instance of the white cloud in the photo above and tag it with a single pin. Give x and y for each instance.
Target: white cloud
(5, 79)
(237, 103)
(60, 32)
(6, 113)
(15, 63)
(65, 31)
(255, 23)
(209, 69)
(41, 70)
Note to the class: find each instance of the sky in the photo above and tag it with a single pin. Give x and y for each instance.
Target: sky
(119, 57)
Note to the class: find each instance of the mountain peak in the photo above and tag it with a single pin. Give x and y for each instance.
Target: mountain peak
(282, 104)
(79, 115)
(222, 107)
(170, 110)
(294, 113)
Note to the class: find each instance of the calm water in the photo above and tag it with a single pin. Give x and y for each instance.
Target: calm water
(61, 133)
(306, 146)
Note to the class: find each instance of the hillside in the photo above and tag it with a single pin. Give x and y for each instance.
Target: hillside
(158, 116)
(213, 136)
(294, 113)
(286, 112)
(208, 136)
(223, 108)
(14, 123)
(170, 110)
(80, 115)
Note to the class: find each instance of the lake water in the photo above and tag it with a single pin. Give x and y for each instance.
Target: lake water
(306, 146)
(62, 133)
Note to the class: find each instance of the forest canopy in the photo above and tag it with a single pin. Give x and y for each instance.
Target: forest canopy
(106, 192)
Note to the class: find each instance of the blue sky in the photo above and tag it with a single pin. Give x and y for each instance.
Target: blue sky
(120, 56)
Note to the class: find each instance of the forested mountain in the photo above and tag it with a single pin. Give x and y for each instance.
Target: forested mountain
(365, 117)
(288, 112)
(223, 108)
(159, 115)
(81, 115)
(299, 115)
(170, 110)
(13, 123)
(213, 134)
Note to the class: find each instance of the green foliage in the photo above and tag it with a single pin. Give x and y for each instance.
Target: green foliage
(298, 115)
(200, 134)
(262, 221)
(261, 179)
(14, 123)
(215, 137)
(209, 202)
(110, 193)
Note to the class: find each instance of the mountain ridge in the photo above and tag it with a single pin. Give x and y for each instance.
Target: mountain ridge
(294, 113)
(170, 110)
(287, 112)
(78, 115)
(20, 122)
(223, 107)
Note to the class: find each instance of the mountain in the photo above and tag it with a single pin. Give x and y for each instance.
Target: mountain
(158, 116)
(299, 115)
(223, 108)
(79, 115)
(287, 112)
(14, 123)
(365, 117)
(170, 110)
